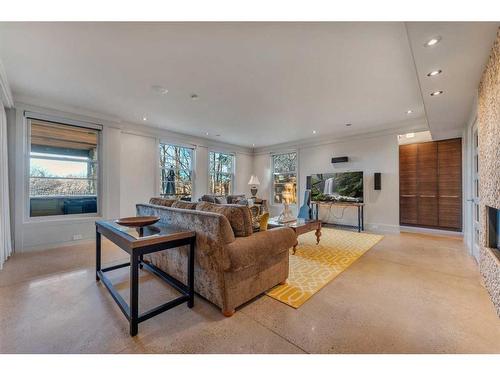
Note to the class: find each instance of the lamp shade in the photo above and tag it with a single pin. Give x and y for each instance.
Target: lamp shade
(254, 180)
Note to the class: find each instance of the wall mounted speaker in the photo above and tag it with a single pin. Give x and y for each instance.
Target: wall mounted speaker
(340, 159)
(377, 178)
(308, 182)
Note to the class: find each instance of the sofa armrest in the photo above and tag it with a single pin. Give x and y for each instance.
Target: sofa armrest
(247, 251)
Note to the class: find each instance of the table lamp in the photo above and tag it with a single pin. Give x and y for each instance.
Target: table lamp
(254, 182)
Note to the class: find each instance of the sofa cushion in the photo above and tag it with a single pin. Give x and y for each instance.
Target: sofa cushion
(207, 198)
(185, 205)
(162, 201)
(221, 200)
(260, 247)
(239, 217)
(234, 199)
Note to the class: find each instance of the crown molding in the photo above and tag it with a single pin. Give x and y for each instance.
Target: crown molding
(403, 127)
(58, 110)
(5, 92)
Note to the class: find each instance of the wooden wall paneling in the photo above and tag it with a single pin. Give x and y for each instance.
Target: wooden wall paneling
(427, 184)
(450, 184)
(408, 184)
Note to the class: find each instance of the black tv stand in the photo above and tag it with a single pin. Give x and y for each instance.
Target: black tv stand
(360, 207)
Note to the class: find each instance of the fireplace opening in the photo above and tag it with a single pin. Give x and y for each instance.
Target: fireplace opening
(493, 228)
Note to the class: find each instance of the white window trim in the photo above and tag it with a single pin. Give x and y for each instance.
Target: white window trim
(233, 171)
(271, 197)
(160, 141)
(27, 219)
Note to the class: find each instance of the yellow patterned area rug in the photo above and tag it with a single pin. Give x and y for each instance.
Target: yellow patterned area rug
(314, 266)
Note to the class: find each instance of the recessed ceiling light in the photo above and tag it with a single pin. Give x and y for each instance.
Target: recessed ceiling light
(159, 89)
(433, 41)
(194, 96)
(348, 124)
(144, 118)
(206, 133)
(314, 131)
(434, 73)
(436, 93)
(409, 112)
(253, 144)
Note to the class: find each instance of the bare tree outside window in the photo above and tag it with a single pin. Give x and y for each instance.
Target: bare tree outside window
(221, 168)
(284, 173)
(176, 171)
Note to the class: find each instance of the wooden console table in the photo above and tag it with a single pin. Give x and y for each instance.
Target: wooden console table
(360, 208)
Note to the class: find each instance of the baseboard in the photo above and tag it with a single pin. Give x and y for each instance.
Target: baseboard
(378, 228)
(53, 246)
(382, 228)
(436, 232)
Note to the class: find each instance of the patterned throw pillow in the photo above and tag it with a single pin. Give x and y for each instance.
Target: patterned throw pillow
(162, 201)
(184, 205)
(221, 200)
(239, 217)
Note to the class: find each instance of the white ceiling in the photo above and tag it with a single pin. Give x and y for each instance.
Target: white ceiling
(258, 83)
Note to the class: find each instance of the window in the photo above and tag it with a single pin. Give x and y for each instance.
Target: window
(221, 169)
(63, 169)
(284, 177)
(176, 171)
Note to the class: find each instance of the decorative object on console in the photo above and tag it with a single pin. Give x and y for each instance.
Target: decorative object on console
(305, 209)
(286, 215)
(254, 182)
(137, 221)
(377, 179)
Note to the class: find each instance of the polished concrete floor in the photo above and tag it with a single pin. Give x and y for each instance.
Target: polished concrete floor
(410, 293)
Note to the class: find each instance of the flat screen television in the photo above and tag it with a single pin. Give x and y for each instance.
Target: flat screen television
(342, 186)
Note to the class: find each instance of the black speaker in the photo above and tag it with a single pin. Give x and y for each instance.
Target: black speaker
(340, 159)
(377, 178)
(308, 182)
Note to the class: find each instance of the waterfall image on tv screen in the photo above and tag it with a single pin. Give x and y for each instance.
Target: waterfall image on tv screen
(343, 186)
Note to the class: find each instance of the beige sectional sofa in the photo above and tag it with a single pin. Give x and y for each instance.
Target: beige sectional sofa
(232, 265)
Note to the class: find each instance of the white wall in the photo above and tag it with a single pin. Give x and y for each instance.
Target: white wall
(129, 175)
(370, 155)
(138, 169)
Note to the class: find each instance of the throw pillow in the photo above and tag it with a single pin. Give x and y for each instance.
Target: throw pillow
(264, 219)
(239, 217)
(221, 200)
(208, 198)
(162, 201)
(231, 199)
(185, 205)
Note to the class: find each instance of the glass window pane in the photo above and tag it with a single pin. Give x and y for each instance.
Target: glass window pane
(221, 173)
(63, 169)
(176, 171)
(284, 177)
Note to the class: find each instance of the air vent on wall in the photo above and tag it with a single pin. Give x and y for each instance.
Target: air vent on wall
(340, 159)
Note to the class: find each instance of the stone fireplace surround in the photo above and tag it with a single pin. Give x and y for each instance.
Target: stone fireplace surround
(489, 169)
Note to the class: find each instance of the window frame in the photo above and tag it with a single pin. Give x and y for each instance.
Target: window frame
(297, 187)
(193, 167)
(28, 117)
(233, 170)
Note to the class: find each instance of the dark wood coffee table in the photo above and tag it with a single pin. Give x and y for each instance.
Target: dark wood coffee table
(300, 226)
(137, 243)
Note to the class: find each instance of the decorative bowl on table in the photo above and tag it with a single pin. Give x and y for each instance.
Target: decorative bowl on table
(137, 221)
